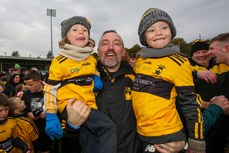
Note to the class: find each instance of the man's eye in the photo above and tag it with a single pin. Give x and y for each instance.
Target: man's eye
(117, 44)
(105, 43)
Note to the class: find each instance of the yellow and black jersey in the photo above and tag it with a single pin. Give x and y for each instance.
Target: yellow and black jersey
(219, 68)
(69, 79)
(8, 132)
(216, 68)
(158, 82)
(28, 131)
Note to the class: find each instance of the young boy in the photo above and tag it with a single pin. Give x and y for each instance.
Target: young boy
(28, 130)
(9, 137)
(34, 100)
(72, 74)
(162, 75)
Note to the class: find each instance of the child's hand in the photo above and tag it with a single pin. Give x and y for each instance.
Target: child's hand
(42, 115)
(98, 84)
(30, 115)
(53, 128)
(28, 151)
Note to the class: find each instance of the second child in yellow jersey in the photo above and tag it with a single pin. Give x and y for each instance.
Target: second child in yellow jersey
(162, 76)
(72, 74)
(28, 130)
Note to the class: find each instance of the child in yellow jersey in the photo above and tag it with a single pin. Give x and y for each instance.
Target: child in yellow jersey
(28, 130)
(9, 137)
(72, 74)
(162, 76)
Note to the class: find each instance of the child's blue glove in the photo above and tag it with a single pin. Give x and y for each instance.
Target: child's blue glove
(98, 84)
(53, 127)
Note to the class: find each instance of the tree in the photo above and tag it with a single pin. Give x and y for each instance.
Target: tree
(49, 55)
(15, 53)
(136, 48)
(184, 46)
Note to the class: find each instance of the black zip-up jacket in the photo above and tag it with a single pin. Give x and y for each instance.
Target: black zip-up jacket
(115, 100)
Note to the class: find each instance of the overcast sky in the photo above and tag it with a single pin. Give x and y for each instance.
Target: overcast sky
(25, 26)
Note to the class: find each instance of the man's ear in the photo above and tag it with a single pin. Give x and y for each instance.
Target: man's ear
(98, 53)
(227, 48)
(123, 52)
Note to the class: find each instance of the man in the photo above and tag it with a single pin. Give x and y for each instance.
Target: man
(115, 97)
(201, 61)
(218, 136)
(220, 48)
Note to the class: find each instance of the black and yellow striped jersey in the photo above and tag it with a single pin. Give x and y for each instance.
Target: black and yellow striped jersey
(158, 83)
(28, 131)
(69, 79)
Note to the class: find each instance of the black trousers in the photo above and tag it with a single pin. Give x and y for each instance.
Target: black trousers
(97, 134)
(216, 140)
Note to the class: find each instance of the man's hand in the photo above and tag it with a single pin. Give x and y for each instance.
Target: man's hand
(171, 147)
(221, 101)
(208, 76)
(205, 104)
(77, 111)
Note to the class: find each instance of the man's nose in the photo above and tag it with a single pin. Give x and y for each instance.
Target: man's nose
(110, 46)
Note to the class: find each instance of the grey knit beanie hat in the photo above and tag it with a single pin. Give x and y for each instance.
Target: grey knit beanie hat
(150, 17)
(68, 23)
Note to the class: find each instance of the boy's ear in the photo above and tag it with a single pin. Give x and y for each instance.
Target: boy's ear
(15, 112)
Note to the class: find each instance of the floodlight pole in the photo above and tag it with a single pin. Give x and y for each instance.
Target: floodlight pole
(51, 13)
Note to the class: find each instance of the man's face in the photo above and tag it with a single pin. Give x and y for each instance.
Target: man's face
(34, 86)
(218, 50)
(111, 51)
(201, 57)
(4, 110)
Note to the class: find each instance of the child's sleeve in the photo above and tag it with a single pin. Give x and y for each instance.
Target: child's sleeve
(51, 87)
(17, 142)
(33, 131)
(190, 102)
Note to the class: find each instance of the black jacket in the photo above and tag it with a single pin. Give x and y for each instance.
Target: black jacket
(115, 100)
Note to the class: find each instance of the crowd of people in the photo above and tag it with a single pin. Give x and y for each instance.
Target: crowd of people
(155, 101)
